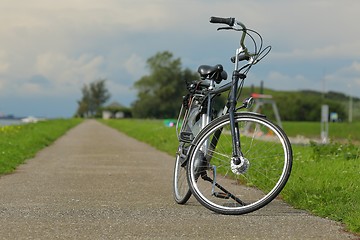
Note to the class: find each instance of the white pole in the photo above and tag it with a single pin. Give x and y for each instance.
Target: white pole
(324, 123)
(350, 109)
(350, 104)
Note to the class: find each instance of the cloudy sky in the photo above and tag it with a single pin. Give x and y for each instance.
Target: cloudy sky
(50, 49)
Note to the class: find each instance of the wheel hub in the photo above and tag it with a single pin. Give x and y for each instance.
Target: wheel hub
(241, 167)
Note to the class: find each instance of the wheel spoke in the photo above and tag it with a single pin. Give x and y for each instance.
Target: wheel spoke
(229, 189)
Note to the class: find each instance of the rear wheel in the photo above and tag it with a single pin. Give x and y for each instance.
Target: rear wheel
(181, 188)
(228, 188)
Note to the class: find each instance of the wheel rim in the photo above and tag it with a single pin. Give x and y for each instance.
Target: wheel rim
(181, 188)
(268, 154)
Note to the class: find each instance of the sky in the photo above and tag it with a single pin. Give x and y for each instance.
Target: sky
(50, 49)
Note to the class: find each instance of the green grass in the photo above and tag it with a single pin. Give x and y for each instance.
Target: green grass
(21, 142)
(153, 132)
(325, 179)
(313, 129)
(327, 183)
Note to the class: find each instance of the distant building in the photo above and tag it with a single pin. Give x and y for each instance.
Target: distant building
(106, 114)
(116, 110)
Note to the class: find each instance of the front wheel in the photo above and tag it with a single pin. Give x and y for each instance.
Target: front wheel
(228, 188)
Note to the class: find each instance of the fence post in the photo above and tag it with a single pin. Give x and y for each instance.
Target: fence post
(324, 124)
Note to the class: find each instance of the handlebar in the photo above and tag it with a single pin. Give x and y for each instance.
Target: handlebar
(242, 53)
(232, 22)
(229, 21)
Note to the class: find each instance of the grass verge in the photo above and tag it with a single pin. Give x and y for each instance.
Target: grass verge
(342, 130)
(21, 142)
(153, 132)
(324, 180)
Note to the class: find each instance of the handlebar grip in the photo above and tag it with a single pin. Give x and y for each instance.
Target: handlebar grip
(228, 21)
(241, 58)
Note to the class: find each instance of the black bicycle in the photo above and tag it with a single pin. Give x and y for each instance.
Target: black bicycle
(239, 161)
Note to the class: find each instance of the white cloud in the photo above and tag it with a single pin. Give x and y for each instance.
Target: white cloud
(280, 81)
(354, 68)
(4, 64)
(135, 66)
(65, 69)
(135, 15)
(346, 79)
(332, 52)
(31, 89)
(3, 85)
(69, 43)
(69, 74)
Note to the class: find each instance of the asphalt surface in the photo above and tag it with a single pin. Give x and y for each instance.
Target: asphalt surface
(96, 183)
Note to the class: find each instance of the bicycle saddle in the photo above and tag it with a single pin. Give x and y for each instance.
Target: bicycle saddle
(215, 73)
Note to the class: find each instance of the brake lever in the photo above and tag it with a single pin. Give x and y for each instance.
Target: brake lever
(225, 28)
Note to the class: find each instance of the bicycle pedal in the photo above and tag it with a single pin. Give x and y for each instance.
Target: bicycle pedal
(186, 136)
(221, 195)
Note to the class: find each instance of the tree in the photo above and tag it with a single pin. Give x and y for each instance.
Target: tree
(84, 103)
(160, 93)
(94, 96)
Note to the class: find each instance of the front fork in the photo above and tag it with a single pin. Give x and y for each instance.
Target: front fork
(230, 108)
(236, 149)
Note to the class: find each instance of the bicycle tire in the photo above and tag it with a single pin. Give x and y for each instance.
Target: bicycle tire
(181, 190)
(257, 182)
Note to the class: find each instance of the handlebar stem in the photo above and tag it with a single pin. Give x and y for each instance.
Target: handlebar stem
(242, 49)
(240, 24)
(242, 44)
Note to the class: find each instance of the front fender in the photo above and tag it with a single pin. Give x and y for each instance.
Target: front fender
(251, 113)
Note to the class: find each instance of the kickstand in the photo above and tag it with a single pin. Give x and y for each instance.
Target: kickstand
(225, 194)
(217, 194)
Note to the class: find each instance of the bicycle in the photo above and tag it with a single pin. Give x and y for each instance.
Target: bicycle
(240, 161)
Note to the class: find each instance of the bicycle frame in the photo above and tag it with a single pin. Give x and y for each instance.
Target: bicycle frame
(241, 53)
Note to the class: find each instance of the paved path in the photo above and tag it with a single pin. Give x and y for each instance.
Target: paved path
(95, 183)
